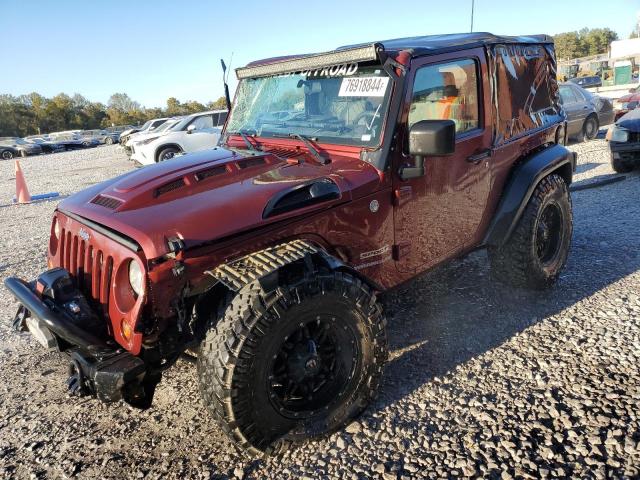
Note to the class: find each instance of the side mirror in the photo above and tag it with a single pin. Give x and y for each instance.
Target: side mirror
(191, 128)
(436, 138)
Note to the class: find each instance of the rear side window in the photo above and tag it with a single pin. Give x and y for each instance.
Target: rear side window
(526, 95)
(567, 95)
(447, 91)
(203, 122)
(222, 118)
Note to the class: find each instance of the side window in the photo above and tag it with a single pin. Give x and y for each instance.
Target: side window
(203, 122)
(567, 95)
(447, 91)
(222, 119)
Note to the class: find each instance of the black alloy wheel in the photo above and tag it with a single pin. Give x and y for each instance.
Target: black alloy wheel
(549, 234)
(312, 366)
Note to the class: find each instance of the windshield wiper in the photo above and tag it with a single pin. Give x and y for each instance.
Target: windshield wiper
(307, 141)
(245, 137)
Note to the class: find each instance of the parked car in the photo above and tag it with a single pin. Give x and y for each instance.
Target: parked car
(621, 109)
(48, 146)
(73, 141)
(193, 133)
(146, 127)
(20, 145)
(103, 137)
(627, 102)
(624, 142)
(7, 152)
(333, 181)
(587, 82)
(142, 136)
(585, 111)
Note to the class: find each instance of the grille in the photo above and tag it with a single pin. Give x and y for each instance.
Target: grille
(634, 137)
(106, 202)
(169, 187)
(91, 267)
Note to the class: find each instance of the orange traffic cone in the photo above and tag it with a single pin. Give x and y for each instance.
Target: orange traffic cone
(22, 192)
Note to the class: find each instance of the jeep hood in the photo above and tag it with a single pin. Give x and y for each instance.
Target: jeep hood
(210, 195)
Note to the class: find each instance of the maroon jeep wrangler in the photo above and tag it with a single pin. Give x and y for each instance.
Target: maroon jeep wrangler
(338, 175)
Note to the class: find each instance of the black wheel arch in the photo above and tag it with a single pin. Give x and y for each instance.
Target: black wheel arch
(526, 175)
(215, 288)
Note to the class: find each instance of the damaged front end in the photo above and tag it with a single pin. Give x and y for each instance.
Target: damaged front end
(58, 315)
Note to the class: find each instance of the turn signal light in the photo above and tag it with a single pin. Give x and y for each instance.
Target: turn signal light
(126, 330)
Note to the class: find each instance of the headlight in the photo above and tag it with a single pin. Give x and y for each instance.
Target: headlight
(618, 134)
(135, 277)
(148, 141)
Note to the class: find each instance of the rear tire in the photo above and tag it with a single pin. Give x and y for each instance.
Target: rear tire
(167, 154)
(538, 248)
(108, 141)
(620, 166)
(300, 362)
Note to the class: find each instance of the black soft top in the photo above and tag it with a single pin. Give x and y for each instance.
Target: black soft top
(431, 44)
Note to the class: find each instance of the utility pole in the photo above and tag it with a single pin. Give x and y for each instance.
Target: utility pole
(472, 7)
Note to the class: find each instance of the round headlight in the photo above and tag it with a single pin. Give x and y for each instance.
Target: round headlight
(135, 277)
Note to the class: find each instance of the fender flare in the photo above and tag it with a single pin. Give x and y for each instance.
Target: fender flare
(265, 265)
(524, 179)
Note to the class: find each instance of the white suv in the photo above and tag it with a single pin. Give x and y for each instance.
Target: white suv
(192, 133)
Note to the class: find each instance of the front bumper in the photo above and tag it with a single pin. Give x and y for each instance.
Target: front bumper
(626, 151)
(60, 318)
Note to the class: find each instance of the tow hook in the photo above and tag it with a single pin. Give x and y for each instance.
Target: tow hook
(77, 382)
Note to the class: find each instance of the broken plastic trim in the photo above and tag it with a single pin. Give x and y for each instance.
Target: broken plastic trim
(310, 62)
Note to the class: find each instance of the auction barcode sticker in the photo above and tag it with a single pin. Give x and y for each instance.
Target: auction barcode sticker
(363, 87)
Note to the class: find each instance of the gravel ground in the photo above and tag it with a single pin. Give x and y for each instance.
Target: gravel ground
(483, 379)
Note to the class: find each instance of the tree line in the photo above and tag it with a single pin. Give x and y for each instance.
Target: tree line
(33, 113)
(583, 42)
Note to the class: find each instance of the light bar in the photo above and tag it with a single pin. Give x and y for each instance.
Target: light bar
(311, 62)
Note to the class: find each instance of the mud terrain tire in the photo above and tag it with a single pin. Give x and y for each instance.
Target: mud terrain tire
(301, 329)
(538, 248)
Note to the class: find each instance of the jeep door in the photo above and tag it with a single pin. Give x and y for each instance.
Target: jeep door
(440, 214)
(201, 133)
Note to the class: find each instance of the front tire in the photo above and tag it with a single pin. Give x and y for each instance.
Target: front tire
(538, 248)
(300, 362)
(7, 155)
(167, 154)
(108, 141)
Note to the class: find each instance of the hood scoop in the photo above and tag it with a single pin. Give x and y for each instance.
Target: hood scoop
(302, 195)
(169, 187)
(107, 202)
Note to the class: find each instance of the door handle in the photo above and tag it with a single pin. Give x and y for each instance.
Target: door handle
(478, 157)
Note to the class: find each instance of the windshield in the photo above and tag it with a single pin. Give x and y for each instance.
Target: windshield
(343, 104)
(165, 126)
